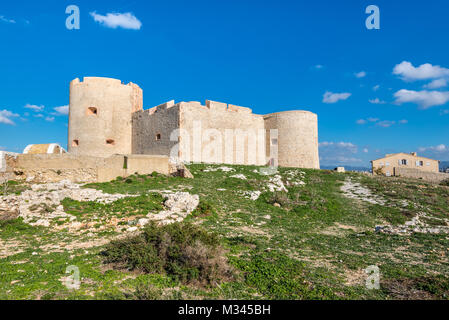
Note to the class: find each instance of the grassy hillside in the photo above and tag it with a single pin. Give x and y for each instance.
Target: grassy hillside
(310, 240)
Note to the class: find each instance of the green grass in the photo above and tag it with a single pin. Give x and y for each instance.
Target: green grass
(12, 187)
(308, 243)
(139, 205)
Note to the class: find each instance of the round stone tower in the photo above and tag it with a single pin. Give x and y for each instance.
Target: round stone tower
(297, 138)
(100, 116)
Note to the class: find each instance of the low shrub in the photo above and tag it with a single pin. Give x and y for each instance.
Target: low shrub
(183, 251)
(204, 209)
(445, 182)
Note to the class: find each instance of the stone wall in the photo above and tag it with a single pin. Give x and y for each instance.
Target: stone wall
(228, 134)
(220, 133)
(152, 129)
(418, 174)
(5, 159)
(53, 168)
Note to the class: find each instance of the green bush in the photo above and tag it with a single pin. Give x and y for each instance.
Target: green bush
(182, 251)
(445, 183)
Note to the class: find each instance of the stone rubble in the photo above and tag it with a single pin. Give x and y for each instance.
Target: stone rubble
(355, 190)
(253, 195)
(416, 225)
(222, 168)
(295, 178)
(275, 184)
(238, 176)
(42, 204)
(179, 205)
(45, 200)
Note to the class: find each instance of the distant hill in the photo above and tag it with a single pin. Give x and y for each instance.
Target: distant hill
(347, 168)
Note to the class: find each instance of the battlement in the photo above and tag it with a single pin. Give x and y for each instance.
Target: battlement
(102, 81)
(210, 105)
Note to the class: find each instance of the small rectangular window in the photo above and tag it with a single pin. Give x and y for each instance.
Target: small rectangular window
(158, 137)
(387, 164)
(92, 111)
(75, 143)
(110, 142)
(274, 142)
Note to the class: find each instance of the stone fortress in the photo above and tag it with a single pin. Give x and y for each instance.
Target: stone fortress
(111, 135)
(107, 117)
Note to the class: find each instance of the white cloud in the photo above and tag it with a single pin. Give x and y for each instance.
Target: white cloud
(338, 144)
(50, 119)
(332, 153)
(381, 123)
(376, 101)
(376, 87)
(346, 145)
(7, 20)
(63, 110)
(425, 99)
(116, 20)
(365, 150)
(436, 84)
(425, 71)
(386, 123)
(360, 74)
(364, 121)
(438, 152)
(6, 115)
(438, 148)
(34, 107)
(330, 97)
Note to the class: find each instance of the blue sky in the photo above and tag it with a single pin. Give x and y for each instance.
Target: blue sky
(375, 91)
